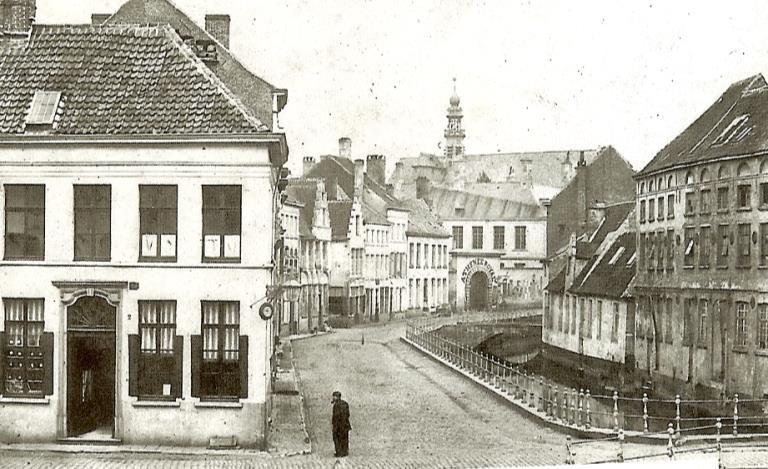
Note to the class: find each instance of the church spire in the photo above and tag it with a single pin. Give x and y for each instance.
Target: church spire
(454, 133)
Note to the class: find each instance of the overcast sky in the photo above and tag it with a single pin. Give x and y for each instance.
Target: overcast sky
(533, 75)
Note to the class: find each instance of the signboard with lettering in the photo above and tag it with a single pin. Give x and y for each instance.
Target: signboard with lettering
(475, 265)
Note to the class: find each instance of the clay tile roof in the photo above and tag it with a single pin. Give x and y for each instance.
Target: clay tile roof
(614, 217)
(118, 80)
(445, 203)
(304, 191)
(421, 221)
(557, 284)
(735, 124)
(339, 212)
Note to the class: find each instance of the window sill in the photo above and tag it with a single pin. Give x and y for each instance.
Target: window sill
(222, 260)
(744, 209)
(158, 260)
(763, 208)
(761, 352)
(740, 350)
(722, 211)
(25, 400)
(153, 404)
(722, 267)
(219, 404)
(688, 267)
(23, 259)
(707, 213)
(743, 267)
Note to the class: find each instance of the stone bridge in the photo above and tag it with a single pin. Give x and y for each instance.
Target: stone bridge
(513, 340)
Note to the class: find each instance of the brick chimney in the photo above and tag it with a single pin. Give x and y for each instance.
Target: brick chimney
(98, 19)
(218, 27)
(345, 147)
(596, 215)
(307, 164)
(17, 15)
(359, 177)
(375, 166)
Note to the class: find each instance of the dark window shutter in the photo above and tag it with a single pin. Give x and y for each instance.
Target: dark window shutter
(196, 347)
(46, 343)
(243, 366)
(2, 363)
(178, 354)
(134, 355)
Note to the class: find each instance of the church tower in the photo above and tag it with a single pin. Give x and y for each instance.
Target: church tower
(454, 133)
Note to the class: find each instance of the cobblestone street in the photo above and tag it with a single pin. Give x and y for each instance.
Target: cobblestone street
(406, 411)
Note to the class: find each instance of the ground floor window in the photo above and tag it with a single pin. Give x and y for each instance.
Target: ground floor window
(27, 352)
(742, 330)
(160, 351)
(762, 326)
(220, 367)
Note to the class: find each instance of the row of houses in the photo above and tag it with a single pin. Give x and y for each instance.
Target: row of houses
(671, 292)
(352, 251)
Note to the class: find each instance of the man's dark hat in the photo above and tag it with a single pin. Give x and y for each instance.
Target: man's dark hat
(336, 394)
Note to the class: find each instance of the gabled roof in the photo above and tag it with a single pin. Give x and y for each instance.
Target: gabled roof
(477, 207)
(422, 222)
(609, 273)
(736, 124)
(557, 284)
(305, 192)
(340, 212)
(614, 217)
(118, 80)
(253, 91)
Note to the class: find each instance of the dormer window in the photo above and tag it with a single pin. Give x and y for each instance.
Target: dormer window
(43, 108)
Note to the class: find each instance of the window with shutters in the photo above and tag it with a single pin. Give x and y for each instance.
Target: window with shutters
(702, 335)
(660, 208)
(762, 326)
(763, 244)
(689, 251)
(744, 197)
(93, 215)
(661, 249)
(615, 323)
(220, 372)
(723, 242)
(158, 222)
(221, 223)
(688, 311)
(705, 238)
(743, 246)
(23, 351)
(157, 367)
(651, 209)
(599, 319)
(722, 199)
(24, 222)
(670, 246)
(642, 211)
(704, 203)
(650, 243)
(574, 312)
(764, 195)
(690, 203)
(742, 325)
(668, 336)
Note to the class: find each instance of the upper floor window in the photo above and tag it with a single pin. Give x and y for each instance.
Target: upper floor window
(689, 246)
(93, 222)
(722, 198)
(615, 323)
(764, 244)
(705, 195)
(651, 209)
(520, 238)
(158, 221)
(660, 208)
(705, 237)
(24, 221)
(722, 245)
(498, 237)
(764, 195)
(762, 326)
(458, 237)
(642, 211)
(221, 223)
(477, 237)
(671, 206)
(744, 196)
(690, 203)
(743, 243)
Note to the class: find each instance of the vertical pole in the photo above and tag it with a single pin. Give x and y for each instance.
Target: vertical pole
(621, 446)
(574, 405)
(719, 426)
(645, 412)
(554, 403)
(549, 398)
(670, 443)
(569, 458)
(616, 411)
(542, 399)
(525, 386)
(736, 414)
(580, 420)
(589, 416)
(677, 415)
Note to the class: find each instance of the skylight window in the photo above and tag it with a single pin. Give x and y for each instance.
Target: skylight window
(43, 108)
(616, 256)
(735, 129)
(632, 259)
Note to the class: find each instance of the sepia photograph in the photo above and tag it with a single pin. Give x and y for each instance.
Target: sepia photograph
(383, 234)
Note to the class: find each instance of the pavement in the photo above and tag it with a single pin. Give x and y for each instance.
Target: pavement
(407, 410)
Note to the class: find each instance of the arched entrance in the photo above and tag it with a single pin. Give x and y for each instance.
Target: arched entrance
(91, 368)
(478, 291)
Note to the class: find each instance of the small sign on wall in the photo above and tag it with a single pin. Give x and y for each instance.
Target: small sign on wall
(166, 389)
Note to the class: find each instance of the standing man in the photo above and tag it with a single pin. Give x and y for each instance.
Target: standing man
(341, 426)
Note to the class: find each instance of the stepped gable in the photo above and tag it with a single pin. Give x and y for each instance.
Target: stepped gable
(118, 80)
(735, 124)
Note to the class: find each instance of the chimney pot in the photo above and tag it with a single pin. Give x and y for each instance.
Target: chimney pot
(345, 148)
(376, 167)
(359, 177)
(218, 27)
(17, 15)
(307, 164)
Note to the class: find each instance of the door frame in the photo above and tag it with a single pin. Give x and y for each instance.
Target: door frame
(69, 293)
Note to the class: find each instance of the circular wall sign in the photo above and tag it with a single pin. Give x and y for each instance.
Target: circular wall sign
(266, 310)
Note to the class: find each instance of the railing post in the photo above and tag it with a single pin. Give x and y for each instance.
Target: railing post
(736, 414)
(719, 426)
(677, 413)
(517, 384)
(525, 386)
(620, 456)
(549, 398)
(531, 387)
(616, 411)
(542, 400)
(589, 416)
(645, 412)
(554, 403)
(580, 420)
(670, 443)
(569, 458)
(574, 405)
